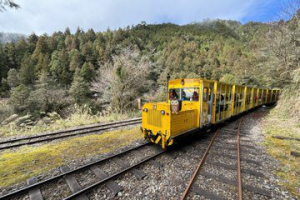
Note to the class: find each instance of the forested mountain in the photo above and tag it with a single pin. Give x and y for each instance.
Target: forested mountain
(108, 70)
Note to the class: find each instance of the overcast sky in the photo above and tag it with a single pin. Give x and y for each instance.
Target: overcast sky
(47, 16)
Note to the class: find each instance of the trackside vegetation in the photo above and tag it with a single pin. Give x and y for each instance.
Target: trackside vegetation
(277, 125)
(26, 162)
(81, 116)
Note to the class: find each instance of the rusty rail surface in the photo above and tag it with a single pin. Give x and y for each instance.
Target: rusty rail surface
(199, 166)
(239, 176)
(202, 161)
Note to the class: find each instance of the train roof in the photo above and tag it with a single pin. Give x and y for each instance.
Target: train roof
(198, 81)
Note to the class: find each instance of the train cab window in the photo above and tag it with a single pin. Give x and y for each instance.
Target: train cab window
(190, 94)
(184, 94)
(174, 94)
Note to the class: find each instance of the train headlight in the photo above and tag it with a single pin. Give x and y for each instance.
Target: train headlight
(145, 110)
(162, 112)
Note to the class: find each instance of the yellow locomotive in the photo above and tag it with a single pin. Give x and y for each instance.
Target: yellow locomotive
(194, 104)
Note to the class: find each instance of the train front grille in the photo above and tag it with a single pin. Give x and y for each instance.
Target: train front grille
(154, 118)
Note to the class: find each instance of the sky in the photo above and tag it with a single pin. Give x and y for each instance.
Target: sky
(48, 16)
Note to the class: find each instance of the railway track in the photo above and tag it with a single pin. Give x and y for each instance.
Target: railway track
(8, 144)
(234, 186)
(224, 143)
(33, 191)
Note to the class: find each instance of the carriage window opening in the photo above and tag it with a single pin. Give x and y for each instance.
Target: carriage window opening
(226, 101)
(205, 96)
(218, 103)
(209, 94)
(222, 98)
(222, 102)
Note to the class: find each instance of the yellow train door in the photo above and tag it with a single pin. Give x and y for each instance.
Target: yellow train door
(207, 101)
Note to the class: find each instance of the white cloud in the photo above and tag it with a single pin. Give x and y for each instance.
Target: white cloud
(55, 15)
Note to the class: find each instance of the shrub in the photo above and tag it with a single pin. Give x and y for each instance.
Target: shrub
(19, 98)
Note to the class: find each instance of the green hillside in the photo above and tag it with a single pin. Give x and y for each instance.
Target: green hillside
(108, 70)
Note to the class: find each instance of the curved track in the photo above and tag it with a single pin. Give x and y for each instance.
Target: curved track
(65, 133)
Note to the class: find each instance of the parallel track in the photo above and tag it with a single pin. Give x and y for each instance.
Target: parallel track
(26, 190)
(87, 189)
(65, 133)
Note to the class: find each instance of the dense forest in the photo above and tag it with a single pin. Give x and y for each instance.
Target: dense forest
(109, 70)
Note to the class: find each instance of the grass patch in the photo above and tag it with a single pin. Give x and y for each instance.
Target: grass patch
(289, 172)
(30, 161)
(79, 118)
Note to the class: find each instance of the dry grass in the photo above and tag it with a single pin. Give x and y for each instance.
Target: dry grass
(79, 118)
(26, 162)
(276, 124)
(5, 109)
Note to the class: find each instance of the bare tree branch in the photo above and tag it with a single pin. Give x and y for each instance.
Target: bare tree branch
(121, 81)
(8, 3)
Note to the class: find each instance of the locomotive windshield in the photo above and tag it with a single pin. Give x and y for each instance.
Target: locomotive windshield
(184, 94)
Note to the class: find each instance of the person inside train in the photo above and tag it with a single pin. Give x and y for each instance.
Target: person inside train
(173, 95)
(183, 96)
(222, 102)
(227, 99)
(195, 96)
(235, 100)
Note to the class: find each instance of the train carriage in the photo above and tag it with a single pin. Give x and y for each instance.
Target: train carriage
(264, 96)
(223, 102)
(249, 92)
(194, 104)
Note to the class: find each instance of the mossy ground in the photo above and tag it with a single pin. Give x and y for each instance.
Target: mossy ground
(26, 162)
(276, 124)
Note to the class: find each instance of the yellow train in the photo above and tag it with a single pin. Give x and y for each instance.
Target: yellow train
(194, 104)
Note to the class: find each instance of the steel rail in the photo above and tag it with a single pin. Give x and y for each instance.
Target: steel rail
(83, 130)
(202, 161)
(199, 166)
(87, 189)
(38, 184)
(239, 176)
